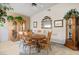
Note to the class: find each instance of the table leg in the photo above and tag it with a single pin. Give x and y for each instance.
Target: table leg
(38, 46)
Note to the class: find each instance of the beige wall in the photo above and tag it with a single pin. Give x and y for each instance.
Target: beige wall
(57, 12)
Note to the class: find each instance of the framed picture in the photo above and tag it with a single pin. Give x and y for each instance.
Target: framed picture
(46, 23)
(58, 23)
(35, 24)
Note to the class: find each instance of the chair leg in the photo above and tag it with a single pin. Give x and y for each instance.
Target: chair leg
(50, 47)
(47, 48)
(30, 50)
(47, 51)
(24, 48)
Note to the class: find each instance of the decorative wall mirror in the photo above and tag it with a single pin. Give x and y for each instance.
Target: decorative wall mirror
(46, 22)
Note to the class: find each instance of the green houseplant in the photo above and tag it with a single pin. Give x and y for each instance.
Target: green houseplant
(1, 24)
(71, 13)
(4, 7)
(19, 19)
(10, 18)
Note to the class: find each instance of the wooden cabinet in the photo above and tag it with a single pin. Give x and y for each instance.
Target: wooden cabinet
(15, 27)
(72, 33)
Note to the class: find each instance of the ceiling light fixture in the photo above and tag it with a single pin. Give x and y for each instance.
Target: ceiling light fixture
(34, 4)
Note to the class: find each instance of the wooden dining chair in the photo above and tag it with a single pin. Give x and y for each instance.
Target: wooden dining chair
(29, 42)
(46, 44)
(29, 33)
(49, 39)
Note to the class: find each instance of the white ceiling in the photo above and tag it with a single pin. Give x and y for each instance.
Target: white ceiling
(28, 9)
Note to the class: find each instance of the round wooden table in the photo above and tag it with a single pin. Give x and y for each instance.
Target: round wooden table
(37, 38)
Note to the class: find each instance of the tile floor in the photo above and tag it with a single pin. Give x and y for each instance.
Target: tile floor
(12, 48)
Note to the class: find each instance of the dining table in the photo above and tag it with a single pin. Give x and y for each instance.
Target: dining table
(38, 38)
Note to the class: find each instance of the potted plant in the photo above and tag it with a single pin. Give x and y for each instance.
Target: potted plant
(71, 13)
(1, 24)
(10, 18)
(19, 19)
(3, 12)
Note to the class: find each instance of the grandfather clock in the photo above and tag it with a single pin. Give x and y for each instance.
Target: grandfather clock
(72, 33)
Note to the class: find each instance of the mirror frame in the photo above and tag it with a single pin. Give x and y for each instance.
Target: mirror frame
(45, 20)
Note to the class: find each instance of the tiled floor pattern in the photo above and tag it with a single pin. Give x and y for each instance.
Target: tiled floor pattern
(12, 48)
